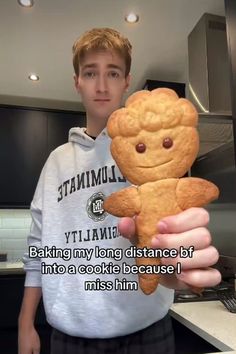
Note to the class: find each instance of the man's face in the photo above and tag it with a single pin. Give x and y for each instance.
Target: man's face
(101, 83)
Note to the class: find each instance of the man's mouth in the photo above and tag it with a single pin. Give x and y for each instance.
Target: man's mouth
(102, 100)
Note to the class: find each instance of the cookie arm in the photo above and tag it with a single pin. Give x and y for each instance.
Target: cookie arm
(125, 202)
(195, 192)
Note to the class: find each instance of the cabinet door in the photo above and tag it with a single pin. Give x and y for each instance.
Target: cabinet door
(11, 295)
(23, 152)
(59, 124)
(12, 288)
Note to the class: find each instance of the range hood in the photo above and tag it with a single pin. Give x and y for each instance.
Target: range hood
(208, 85)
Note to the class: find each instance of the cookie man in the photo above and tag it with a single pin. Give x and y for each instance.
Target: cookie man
(154, 143)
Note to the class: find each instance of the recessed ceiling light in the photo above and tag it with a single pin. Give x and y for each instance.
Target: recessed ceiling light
(132, 18)
(26, 3)
(34, 77)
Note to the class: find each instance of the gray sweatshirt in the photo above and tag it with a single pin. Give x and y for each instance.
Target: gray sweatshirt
(76, 253)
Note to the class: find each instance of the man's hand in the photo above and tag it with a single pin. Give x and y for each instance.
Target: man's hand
(28, 338)
(185, 229)
(28, 341)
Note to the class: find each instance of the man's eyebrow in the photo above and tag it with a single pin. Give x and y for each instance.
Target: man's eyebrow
(86, 66)
(94, 65)
(114, 66)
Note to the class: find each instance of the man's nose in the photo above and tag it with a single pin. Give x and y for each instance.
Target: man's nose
(101, 83)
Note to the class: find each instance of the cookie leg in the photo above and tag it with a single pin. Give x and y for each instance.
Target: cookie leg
(148, 282)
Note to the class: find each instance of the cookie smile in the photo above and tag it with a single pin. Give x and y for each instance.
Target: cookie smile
(158, 165)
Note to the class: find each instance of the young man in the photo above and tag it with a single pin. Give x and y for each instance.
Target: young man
(67, 215)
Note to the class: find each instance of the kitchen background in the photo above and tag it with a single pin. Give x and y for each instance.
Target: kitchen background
(14, 228)
(38, 40)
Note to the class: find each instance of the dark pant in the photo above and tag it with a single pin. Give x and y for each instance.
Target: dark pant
(155, 339)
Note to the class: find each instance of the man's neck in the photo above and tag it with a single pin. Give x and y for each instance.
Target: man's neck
(93, 128)
(93, 137)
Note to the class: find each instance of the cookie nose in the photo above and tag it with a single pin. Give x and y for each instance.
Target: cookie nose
(140, 147)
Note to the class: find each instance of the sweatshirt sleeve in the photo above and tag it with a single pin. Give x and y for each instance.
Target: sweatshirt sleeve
(32, 266)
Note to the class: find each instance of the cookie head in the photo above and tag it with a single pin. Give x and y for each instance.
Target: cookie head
(154, 136)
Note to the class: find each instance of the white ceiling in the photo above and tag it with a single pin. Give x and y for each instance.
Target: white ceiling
(39, 40)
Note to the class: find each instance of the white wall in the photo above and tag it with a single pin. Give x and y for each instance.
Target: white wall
(14, 229)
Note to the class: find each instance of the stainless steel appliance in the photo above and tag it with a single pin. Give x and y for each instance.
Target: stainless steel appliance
(209, 81)
(227, 266)
(209, 89)
(208, 294)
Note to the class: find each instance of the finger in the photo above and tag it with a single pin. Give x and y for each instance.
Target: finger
(198, 259)
(126, 227)
(200, 278)
(199, 238)
(184, 221)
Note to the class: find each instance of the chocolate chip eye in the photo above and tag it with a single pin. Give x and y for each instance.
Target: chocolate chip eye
(140, 147)
(167, 143)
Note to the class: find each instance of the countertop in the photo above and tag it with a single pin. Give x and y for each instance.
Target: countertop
(11, 268)
(210, 320)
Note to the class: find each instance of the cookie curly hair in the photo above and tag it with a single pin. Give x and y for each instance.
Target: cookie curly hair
(151, 111)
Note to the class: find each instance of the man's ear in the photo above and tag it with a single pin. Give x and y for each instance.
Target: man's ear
(127, 83)
(76, 81)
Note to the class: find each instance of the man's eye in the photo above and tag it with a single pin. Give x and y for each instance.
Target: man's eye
(89, 74)
(114, 74)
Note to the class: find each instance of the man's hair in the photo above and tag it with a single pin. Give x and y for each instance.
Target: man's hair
(101, 39)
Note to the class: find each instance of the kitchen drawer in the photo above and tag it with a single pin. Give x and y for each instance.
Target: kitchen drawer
(11, 295)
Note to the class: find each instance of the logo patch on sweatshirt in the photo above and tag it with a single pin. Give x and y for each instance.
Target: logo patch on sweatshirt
(95, 207)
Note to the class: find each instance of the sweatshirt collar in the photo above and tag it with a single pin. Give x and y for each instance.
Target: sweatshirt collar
(78, 135)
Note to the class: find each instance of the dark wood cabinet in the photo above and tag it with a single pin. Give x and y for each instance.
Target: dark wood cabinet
(11, 294)
(23, 151)
(27, 136)
(230, 13)
(186, 341)
(178, 87)
(59, 124)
